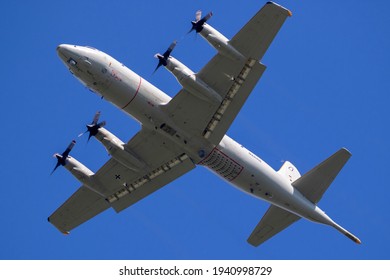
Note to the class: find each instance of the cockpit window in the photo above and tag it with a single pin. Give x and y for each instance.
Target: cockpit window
(72, 62)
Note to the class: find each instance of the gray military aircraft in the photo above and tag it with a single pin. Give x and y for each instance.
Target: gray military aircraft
(189, 129)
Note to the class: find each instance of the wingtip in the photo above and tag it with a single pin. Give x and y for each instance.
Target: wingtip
(287, 10)
(346, 150)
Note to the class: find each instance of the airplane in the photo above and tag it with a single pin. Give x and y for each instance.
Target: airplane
(189, 130)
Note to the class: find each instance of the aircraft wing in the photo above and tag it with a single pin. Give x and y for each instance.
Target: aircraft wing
(232, 79)
(260, 31)
(116, 186)
(274, 221)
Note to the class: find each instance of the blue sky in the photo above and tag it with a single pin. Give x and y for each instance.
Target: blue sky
(326, 87)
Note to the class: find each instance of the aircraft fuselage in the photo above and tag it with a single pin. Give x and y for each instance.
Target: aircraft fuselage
(143, 101)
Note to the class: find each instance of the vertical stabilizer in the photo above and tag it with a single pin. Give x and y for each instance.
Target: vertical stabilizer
(289, 171)
(314, 183)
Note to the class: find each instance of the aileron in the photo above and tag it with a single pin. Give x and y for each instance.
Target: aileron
(156, 179)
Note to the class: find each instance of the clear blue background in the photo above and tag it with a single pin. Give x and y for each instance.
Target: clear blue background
(326, 86)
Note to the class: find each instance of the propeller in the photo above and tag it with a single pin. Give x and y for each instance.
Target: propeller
(94, 126)
(163, 59)
(61, 159)
(198, 23)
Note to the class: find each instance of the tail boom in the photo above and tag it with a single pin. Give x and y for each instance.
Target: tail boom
(347, 233)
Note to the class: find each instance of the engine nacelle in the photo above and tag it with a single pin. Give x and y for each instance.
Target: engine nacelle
(220, 43)
(116, 148)
(193, 84)
(79, 170)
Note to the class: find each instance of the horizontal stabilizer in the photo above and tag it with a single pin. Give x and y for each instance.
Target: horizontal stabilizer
(274, 221)
(315, 182)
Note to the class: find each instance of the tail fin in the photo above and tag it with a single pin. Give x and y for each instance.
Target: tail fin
(315, 182)
(289, 171)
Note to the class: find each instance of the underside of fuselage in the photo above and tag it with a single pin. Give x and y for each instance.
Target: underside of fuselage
(189, 129)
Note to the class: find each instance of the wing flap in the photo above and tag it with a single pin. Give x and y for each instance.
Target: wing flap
(256, 36)
(151, 182)
(314, 183)
(233, 101)
(83, 205)
(274, 221)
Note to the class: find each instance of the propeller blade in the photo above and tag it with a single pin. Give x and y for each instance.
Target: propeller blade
(158, 66)
(55, 168)
(81, 134)
(89, 137)
(198, 15)
(96, 118)
(169, 50)
(94, 126)
(198, 23)
(101, 124)
(61, 159)
(67, 151)
(163, 59)
(207, 17)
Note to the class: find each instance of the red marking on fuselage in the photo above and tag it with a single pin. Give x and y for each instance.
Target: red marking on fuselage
(115, 75)
(139, 85)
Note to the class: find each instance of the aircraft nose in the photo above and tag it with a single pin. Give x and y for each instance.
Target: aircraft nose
(64, 50)
(59, 47)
